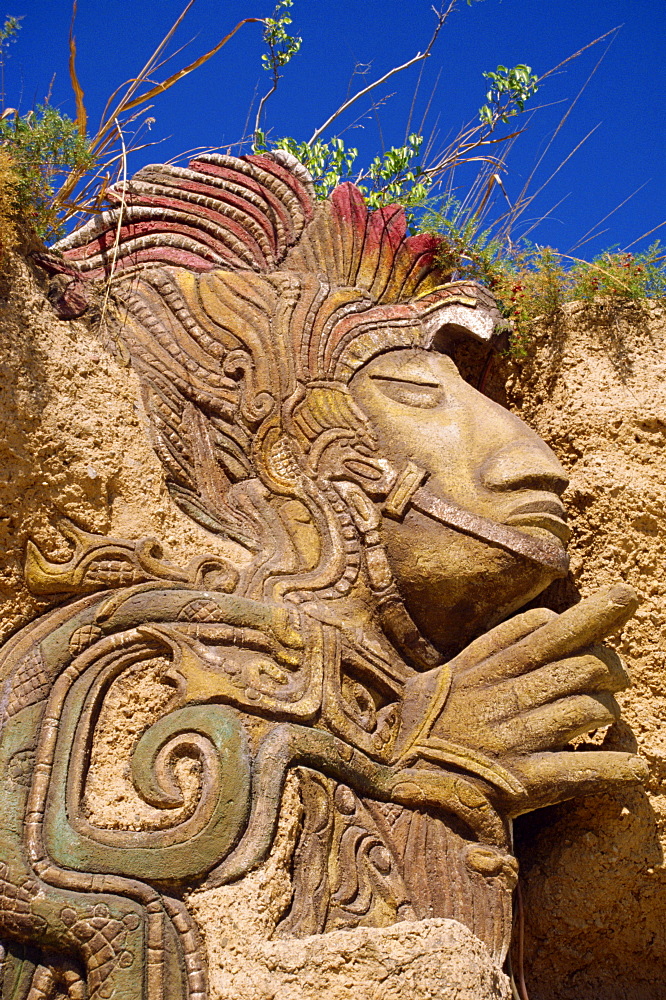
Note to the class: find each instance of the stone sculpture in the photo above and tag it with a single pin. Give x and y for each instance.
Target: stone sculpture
(386, 523)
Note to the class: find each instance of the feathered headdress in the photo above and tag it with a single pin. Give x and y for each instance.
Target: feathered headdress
(246, 307)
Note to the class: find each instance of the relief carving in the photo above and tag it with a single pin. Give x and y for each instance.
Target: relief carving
(390, 522)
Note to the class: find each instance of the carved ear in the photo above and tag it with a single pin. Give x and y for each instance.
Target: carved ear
(375, 475)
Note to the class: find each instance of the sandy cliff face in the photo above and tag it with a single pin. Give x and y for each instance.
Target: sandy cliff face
(74, 443)
(593, 876)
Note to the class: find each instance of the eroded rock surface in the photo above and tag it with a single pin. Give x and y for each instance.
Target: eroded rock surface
(421, 960)
(594, 386)
(73, 444)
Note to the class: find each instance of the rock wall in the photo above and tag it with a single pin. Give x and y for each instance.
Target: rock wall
(74, 444)
(593, 876)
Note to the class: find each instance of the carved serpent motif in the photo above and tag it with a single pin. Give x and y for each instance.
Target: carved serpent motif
(104, 896)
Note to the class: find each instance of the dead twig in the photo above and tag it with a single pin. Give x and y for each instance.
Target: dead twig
(116, 241)
(114, 121)
(522, 986)
(442, 17)
(81, 115)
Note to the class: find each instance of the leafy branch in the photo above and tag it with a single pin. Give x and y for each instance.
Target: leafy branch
(509, 90)
(282, 47)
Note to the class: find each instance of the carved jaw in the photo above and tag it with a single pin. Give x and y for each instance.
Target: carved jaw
(466, 467)
(408, 492)
(379, 491)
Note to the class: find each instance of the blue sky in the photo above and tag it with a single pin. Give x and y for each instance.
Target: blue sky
(624, 98)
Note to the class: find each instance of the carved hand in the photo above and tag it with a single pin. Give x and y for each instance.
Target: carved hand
(521, 692)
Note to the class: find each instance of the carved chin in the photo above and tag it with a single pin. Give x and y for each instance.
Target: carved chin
(454, 586)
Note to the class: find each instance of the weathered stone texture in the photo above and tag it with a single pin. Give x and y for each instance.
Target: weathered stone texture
(416, 960)
(594, 881)
(73, 443)
(433, 959)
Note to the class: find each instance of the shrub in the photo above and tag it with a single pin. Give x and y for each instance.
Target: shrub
(9, 182)
(533, 283)
(43, 146)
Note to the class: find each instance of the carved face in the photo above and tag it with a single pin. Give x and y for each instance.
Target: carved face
(478, 456)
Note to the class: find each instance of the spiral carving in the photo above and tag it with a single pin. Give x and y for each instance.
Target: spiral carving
(212, 735)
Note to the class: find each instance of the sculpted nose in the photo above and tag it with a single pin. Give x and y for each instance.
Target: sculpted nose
(524, 465)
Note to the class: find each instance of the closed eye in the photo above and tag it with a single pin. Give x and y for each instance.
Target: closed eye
(410, 392)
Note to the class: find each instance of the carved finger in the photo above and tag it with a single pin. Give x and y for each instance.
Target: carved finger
(616, 678)
(498, 639)
(552, 726)
(582, 674)
(563, 635)
(555, 777)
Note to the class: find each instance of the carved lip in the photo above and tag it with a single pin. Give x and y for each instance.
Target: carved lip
(546, 514)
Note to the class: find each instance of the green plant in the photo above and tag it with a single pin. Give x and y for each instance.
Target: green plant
(64, 173)
(52, 171)
(61, 171)
(43, 146)
(36, 150)
(509, 90)
(621, 275)
(282, 47)
(391, 178)
(532, 283)
(396, 178)
(395, 175)
(329, 163)
(465, 251)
